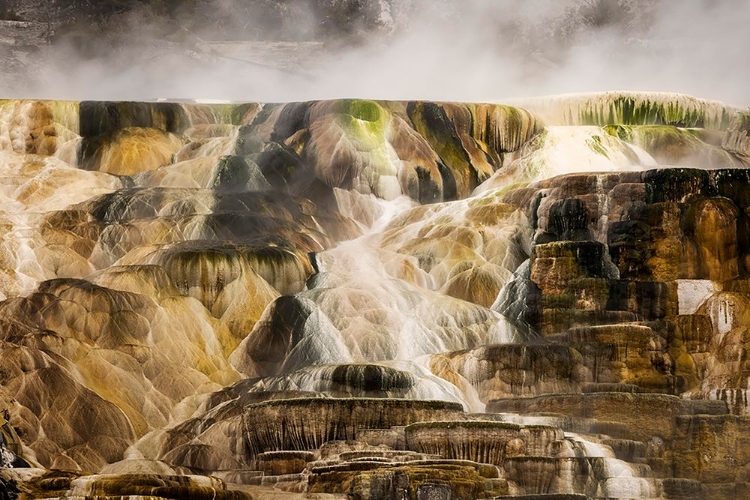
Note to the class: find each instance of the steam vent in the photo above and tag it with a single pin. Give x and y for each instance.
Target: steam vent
(368, 300)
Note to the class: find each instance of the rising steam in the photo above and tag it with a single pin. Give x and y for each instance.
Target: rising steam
(475, 50)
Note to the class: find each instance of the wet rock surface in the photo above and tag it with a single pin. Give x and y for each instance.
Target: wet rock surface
(373, 299)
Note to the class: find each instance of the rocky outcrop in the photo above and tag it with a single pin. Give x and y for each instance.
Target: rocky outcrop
(306, 424)
(709, 449)
(41, 484)
(431, 479)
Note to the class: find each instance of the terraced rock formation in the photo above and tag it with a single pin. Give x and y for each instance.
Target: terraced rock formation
(375, 300)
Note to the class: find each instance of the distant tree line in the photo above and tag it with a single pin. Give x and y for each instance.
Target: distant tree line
(229, 18)
(95, 27)
(8, 14)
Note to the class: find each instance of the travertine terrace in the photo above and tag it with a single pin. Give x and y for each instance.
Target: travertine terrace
(548, 299)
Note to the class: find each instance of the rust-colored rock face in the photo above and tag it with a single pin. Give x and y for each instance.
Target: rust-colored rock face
(375, 300)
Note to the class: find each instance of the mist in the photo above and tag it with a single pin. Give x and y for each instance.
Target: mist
(470, 50)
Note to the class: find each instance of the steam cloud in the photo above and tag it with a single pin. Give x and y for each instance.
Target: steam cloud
(464, 50)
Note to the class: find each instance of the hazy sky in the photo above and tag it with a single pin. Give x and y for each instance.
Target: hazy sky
(471, 50)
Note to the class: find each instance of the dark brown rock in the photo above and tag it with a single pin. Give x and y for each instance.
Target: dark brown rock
(306, 424)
